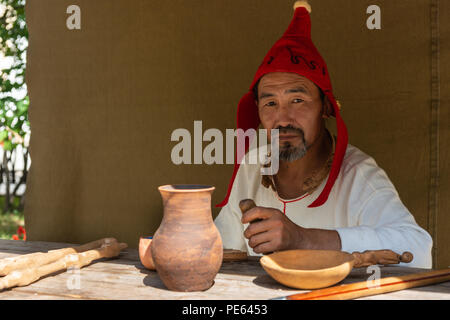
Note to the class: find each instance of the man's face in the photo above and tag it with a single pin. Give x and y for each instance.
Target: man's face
(292, 104)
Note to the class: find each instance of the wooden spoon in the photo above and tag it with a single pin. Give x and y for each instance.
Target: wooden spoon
(311, 269)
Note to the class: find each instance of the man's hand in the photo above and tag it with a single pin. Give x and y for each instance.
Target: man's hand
(275, 232)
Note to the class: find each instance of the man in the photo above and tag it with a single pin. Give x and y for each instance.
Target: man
(327, 194)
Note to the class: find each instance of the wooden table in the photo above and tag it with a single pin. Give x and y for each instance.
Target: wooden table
(126, 278)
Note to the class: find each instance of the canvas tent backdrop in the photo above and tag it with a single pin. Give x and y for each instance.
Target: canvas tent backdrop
(105, 100)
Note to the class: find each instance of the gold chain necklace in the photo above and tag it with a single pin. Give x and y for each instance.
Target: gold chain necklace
(312, 182)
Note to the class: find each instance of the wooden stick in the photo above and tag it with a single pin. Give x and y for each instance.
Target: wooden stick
(27, 276)
(362, 289)
(230, 255)
(36, 259)
(246, 205)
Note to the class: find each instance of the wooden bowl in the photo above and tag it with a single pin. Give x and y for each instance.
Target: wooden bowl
(145, 252)
(308, 269)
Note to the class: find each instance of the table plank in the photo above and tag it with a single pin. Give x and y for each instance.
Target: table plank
(125, 278)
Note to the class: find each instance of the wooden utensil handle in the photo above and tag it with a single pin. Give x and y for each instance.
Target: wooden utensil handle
(371, 257)
(231, 255)
(246, 205)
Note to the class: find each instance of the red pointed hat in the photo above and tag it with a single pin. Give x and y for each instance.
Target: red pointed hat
(296, 53)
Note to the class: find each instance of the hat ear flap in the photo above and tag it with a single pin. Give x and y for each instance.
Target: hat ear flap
(247, 118)
(247, 113)
(341, 148)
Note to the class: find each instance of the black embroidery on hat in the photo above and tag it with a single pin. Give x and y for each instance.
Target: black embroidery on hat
(313, 64)
(295, 59)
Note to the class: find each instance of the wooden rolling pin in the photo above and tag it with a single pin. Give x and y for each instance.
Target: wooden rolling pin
(24, 277)
(361, 289)
(37, 259)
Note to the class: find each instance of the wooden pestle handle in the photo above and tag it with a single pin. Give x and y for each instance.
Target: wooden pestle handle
(246, 205)
(371, 257)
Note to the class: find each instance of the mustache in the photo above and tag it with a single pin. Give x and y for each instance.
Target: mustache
(290, 129)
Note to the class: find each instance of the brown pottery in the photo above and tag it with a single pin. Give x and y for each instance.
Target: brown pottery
(145, 252)
(187, 248)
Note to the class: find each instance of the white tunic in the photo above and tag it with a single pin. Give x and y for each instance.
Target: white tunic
(363, 207)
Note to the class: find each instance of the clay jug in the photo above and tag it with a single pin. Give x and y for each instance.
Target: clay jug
(187, 248)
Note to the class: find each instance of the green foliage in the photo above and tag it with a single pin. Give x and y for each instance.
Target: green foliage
(10, 221)
(14, 102)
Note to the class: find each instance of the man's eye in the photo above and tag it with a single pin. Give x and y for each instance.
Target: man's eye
(298, 100)
(270, 104)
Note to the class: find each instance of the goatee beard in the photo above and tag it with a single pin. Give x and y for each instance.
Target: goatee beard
(290, 153)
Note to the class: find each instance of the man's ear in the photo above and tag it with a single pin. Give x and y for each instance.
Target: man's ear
(327, 108)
